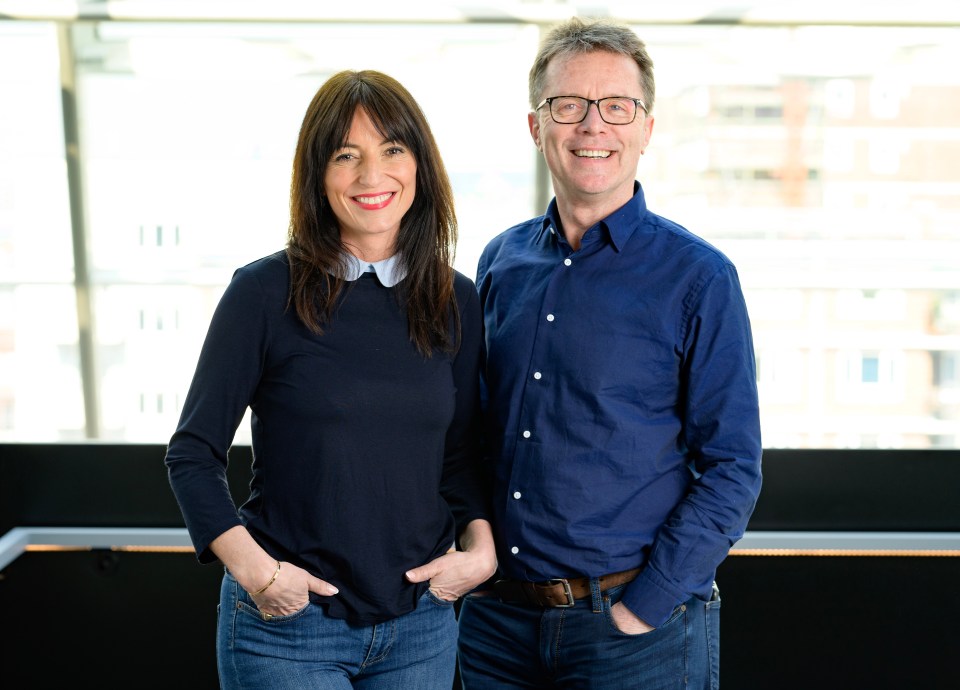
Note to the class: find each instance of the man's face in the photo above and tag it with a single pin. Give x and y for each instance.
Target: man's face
(592, 163)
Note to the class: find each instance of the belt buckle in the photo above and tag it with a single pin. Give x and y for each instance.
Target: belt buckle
(571, 602)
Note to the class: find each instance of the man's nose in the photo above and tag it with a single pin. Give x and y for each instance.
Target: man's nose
(593, 120)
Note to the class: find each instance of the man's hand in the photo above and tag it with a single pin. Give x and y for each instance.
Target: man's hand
(627, 622)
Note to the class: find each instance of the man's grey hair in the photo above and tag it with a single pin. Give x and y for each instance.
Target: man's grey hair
(578, 36)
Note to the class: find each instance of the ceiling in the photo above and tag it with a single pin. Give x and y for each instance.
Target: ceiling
(746, 12)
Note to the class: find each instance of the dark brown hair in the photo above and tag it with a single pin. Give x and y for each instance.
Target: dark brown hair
(428, 231)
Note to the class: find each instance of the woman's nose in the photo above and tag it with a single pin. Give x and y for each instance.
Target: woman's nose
(371, 171)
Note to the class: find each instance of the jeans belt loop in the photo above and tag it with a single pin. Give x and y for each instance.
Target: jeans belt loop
(596, 595)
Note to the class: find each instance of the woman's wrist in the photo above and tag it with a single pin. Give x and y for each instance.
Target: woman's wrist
(261, 590)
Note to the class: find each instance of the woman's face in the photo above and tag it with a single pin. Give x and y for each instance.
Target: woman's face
(370, 184)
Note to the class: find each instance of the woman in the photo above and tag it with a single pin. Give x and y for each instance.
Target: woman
(357, 351)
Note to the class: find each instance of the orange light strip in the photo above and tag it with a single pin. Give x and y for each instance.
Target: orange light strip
(38, 539)
(131, 548)
(947, 553)
(754, 543)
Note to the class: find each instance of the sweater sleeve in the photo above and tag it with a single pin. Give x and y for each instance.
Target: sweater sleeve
(226, 376)
(465, 484)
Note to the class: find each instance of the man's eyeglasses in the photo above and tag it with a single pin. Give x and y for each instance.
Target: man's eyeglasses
(614, 110)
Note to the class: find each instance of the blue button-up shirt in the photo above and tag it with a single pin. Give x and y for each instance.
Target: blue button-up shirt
(621, 404)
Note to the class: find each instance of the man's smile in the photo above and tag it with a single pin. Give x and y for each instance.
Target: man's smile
(591, 153)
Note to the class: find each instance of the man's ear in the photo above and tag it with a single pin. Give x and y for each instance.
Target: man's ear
(534, 123)
(647, 133)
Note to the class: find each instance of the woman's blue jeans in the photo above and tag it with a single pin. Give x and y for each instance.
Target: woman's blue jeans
(505, 646)
(309, 649)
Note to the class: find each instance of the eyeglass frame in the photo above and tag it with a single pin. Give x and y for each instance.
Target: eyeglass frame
(595, 101)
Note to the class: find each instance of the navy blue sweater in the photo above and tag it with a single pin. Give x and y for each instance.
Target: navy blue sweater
(365, 452)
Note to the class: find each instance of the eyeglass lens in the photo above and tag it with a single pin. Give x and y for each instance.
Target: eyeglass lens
(614, 110)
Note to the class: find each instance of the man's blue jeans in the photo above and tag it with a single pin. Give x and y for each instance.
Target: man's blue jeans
(308, 649)
(518, 646)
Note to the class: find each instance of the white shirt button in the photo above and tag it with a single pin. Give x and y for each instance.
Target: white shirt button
(537, 375)
(567, 262)
(526, 433)
(550, 317)
(514, 549)
(516, 494)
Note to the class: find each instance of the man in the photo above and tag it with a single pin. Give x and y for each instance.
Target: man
(621, 404)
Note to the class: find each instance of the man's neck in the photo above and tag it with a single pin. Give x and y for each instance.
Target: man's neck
(578, 216)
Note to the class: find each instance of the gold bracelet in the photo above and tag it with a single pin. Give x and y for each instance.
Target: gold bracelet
(272, 580)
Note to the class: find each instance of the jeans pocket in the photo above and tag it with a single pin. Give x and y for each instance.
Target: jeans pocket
(714, 602)
(608, 614)
(246, 605)
(251, 610)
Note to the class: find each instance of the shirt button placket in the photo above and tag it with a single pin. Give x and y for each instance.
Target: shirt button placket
(537, 375)
(526, 432)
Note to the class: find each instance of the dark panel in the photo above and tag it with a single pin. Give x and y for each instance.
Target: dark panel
(859, 490)
(125, 485)
(95, 485)
(790, 623)
(106, 619)
(796, 623)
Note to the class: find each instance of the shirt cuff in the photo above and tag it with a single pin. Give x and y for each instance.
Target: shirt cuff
(649, 598)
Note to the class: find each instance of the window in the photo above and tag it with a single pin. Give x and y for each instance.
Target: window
(829, 179)
(869, 377)
(840, 98)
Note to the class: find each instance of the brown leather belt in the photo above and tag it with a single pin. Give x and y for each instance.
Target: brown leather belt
(559, 592)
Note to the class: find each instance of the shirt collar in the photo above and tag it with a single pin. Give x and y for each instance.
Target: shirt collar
(388, 271)
(618, 226)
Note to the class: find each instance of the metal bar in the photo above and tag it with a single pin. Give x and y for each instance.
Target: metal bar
(21, 539)
(81, 271)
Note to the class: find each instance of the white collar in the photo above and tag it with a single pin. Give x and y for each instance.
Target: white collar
(389, 271)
